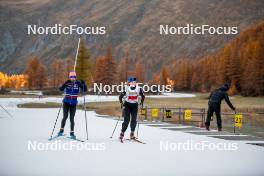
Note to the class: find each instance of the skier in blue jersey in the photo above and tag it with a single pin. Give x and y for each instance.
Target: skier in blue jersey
(72, 88)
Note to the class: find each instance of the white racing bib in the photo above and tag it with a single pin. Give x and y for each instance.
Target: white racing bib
(132, 95)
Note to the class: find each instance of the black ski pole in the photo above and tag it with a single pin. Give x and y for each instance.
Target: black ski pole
(137, 129)
(56, 121)
(115, 127)
(141, 107)
(117, 123)
(234, 123)
(85, 117)
(6, 111)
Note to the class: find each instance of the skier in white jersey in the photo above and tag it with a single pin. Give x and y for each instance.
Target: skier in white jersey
(130, 96)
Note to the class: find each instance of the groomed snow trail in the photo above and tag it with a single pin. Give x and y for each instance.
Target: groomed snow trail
(129, 158)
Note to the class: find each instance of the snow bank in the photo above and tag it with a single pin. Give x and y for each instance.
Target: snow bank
(173, 95)
(12, 102)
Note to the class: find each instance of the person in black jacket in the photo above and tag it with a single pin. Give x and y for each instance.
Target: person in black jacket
(214, 105)
(129, 98)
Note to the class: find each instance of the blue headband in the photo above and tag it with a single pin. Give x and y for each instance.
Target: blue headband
(131, 79)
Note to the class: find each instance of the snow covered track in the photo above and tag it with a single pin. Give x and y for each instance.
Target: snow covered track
(112, 157)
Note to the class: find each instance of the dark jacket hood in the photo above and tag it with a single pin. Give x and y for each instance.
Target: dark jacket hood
(224, 87)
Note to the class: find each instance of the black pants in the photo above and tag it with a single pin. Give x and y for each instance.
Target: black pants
(131, 109)
(214, 108)
(66, 109)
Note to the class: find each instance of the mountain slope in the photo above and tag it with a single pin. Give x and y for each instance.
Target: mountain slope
(132, 25)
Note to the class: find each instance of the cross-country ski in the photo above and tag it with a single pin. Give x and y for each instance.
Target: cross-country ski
(56, 136)
(136, 140)
(76, 139)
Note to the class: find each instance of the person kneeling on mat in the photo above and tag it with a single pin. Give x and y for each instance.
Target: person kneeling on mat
(130, 96)
(72, 88)
(214, 106)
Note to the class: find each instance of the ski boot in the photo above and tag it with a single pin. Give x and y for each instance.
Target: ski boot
(61, 132)
(132, 136)
(72, 136)
(219, 129)
(121, 136)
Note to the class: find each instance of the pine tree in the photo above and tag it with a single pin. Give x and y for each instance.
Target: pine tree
(155, 79)
(57, 72)
(253, 81)
(36, 74)
(164, 75)
(124, 69)
(84, 66)
(99, 69)
(223, 66)
(109, 70)
(69, 64)
(140, 73)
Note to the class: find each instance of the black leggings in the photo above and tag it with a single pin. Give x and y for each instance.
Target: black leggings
(66, 108)
(130, 109)
(214, 108)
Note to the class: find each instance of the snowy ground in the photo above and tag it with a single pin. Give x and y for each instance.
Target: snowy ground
(112, 157)
(12, 102)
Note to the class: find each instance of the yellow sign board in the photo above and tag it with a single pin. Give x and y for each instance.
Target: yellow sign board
(168, 113)
(154, 112)
(238, 120)
(143, 111)
(188, 114)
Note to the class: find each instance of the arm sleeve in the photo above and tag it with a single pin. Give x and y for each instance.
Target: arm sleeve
(121, 96)
(141, 93)
(228, 101)
(63, 86)
(210, 95)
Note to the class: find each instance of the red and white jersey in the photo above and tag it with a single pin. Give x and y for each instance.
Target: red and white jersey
(132, 94)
